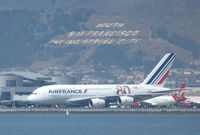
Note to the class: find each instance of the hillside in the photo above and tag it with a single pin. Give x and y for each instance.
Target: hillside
(30, 28)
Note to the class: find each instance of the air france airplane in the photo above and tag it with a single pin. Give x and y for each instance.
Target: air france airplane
(101, 95)
(167, 99)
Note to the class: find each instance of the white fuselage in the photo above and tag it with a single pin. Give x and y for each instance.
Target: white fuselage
(193, 99)
(98, 95)
(63, 94)
(161, 100)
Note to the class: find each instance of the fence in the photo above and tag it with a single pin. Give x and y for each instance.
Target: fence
(100, 110)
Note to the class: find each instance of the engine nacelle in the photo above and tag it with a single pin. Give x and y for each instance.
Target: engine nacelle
(125, 101)
(97, 103)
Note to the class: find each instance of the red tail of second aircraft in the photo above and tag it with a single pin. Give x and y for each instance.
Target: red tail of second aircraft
(181, 96)
(182, 86)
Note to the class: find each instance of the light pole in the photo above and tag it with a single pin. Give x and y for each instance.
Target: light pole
(13, 94)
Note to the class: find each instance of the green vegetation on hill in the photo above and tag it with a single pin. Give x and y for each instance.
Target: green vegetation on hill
(116, 55)
(178, 40)
(22, 32)
(27, 25)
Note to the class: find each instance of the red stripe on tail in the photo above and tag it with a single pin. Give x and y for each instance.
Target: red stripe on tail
(164, 77)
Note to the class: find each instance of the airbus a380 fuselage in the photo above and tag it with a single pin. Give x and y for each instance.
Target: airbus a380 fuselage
(98, 95)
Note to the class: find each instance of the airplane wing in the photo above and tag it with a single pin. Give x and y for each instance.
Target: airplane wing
(168, 91)
(80, 99)
(137, 98)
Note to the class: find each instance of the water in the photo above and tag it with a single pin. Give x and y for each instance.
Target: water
(99, 124)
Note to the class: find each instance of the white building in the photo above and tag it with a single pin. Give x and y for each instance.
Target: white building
(23, 83)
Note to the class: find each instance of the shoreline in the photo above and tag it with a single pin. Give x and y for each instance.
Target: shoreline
(69, 111)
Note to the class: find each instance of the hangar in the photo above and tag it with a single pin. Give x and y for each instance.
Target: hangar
(16, 85)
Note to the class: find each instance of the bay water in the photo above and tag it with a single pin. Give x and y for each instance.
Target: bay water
(99, 124)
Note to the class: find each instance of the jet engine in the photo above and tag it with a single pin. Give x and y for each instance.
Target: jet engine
(125, 101)
(97, 103)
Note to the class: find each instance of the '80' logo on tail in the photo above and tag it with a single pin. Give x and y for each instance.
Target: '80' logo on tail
(122, 90)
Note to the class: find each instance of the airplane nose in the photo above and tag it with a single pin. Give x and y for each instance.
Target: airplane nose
(31, 98)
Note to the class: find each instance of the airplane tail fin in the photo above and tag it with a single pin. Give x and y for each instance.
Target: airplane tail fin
(181, 96)
(182, 86)
(160, 72)
(175, 96)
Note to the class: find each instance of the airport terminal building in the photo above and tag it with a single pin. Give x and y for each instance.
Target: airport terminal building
(16, 85)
